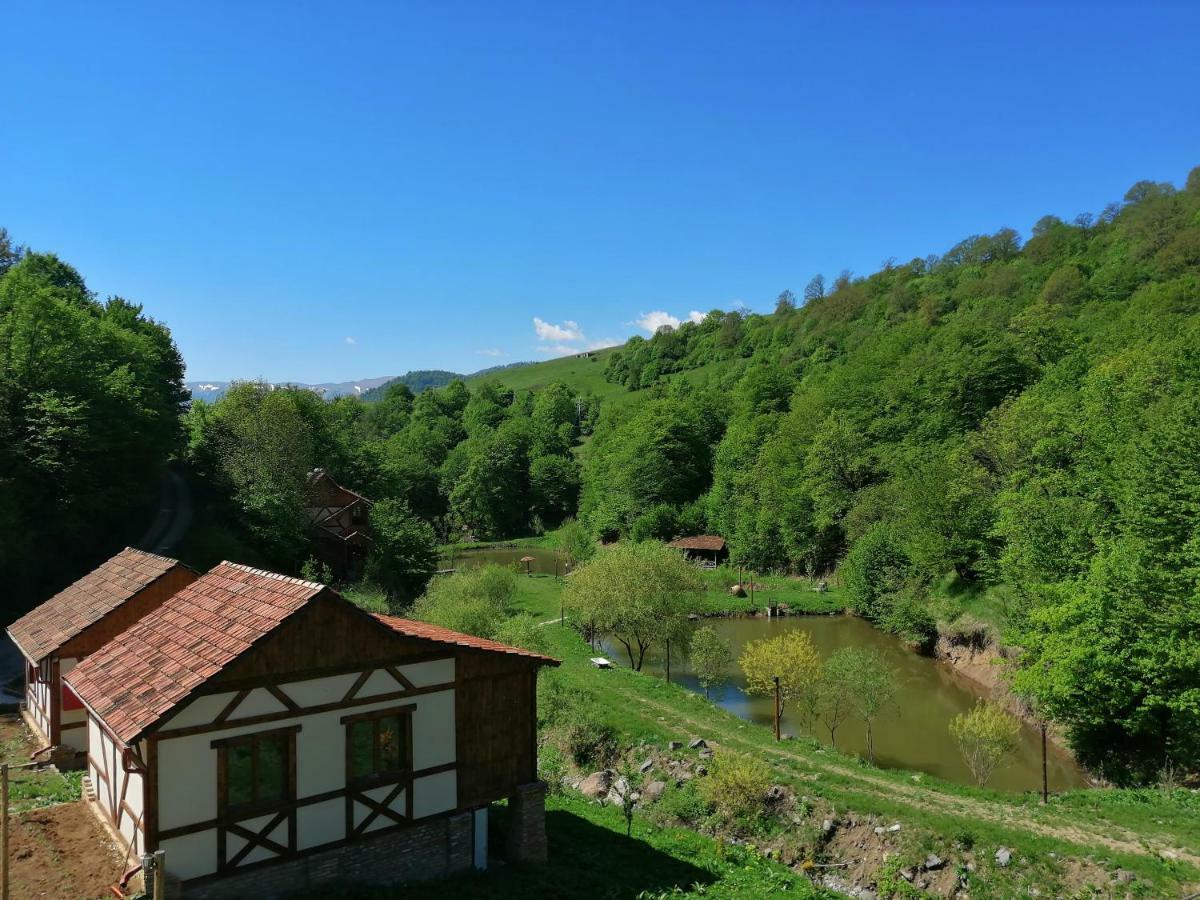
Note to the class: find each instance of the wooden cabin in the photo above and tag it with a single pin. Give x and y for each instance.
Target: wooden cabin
(77, 621)
(270, 736)
(707, 549)
(340, 521)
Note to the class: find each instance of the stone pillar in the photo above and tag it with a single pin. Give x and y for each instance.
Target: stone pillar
(527, 824)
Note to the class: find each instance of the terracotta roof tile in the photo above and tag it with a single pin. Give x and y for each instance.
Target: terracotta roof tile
(77, 607)
(185, 642)
(700, 542)
(413, 628)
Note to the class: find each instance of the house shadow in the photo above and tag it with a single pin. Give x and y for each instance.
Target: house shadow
(586, 860)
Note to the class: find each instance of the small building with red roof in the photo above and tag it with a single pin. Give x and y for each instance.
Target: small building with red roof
(709, 549)
(270, 736)
(77, 621)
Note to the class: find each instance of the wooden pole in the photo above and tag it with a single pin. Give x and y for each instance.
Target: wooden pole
(1045, 772)
(778, 712)
(160, 875)
(4, 830)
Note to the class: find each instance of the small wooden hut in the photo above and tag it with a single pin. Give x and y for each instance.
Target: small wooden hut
(709, 550)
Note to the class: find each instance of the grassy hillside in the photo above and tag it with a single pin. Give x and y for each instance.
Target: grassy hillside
(584, 376)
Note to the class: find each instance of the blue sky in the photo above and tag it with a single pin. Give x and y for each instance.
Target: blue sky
(320, 191)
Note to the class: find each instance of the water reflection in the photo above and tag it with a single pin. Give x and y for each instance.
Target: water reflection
(915, 735)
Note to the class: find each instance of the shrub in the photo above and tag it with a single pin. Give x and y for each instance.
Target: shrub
(475, 601)
(875, 569)
(683, 803)
(736, 789)
(985, 735)
(592, 744)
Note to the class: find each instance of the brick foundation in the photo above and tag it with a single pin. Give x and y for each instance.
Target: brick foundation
(432, 849)
(527, 824)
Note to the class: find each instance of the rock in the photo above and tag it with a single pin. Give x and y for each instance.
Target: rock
(907, 874)
(933, 862)
(776, 793)
(706, 754)
(596, 785)
(675, 745)
(619, 790)
(654, 790)
(828, 828)
(646, 766)
(1003, 857)
(737, 590)
(879, 829)
(1124, 876)
(698, 744)
(894, 828)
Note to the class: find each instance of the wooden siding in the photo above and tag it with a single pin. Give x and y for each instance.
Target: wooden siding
(495, 725)
(328, 635)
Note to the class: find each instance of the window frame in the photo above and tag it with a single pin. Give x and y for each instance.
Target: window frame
(377, 777)
(256, 807)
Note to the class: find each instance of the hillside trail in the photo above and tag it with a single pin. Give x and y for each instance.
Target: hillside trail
(1048, 824)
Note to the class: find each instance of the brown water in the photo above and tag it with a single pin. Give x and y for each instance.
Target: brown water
(544, 561)
(915, 735)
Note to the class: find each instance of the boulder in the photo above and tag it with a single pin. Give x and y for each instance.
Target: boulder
(737, 590)
(654, 790)
(1003, 857)
(706, 754)
(698, 744)
(933, 862)
(597, 785)
(828, 828)
(646, 766)
(675, 745)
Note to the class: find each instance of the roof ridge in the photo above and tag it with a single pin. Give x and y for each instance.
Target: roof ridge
(274, 575)
(457, 638)
(142, 552)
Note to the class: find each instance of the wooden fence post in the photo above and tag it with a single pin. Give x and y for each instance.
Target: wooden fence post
(777, 710)
(4, 829)
(160, 875)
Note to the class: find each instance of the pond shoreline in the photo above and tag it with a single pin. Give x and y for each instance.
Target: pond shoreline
(981, 667)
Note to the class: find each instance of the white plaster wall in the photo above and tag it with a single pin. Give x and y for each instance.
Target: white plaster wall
(105, 756)
(187, 766)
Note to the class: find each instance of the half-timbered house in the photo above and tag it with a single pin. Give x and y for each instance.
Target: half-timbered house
(77, 621)
(269, 735)
(340, 520)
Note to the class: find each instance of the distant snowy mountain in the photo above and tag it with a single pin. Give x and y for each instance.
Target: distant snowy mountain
(213, 390)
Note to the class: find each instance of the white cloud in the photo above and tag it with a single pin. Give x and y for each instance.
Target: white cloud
(548, 331)
(350, 341)
(652, 321)
(558, 349)
(491, 351)
(602, 344)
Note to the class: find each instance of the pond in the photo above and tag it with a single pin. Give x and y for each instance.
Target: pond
(544, 561)
(915, 735)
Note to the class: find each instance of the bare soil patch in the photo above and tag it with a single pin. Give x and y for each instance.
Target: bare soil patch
(60, 852)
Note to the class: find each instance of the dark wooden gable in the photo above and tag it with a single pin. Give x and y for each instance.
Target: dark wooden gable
(328, 635)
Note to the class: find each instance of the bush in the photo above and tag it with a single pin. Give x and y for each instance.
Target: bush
(592, 744)
(875, 570)
(521, 631)
(736, 789)
(909, 617)
(683, 804)
(475, 601)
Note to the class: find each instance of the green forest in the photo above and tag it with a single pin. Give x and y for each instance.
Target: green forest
(1002, 438)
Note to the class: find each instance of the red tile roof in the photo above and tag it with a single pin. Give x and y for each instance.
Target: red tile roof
(700, 542)
(77, 607)
(413, 628)
(143, 673)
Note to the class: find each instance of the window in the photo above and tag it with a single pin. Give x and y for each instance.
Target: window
(378, 745)
(256, 772)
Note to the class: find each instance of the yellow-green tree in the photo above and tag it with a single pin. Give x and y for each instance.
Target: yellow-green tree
(789, 659)
(985, 735)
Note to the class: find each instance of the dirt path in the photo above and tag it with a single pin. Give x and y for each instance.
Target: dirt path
(1048, 825)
